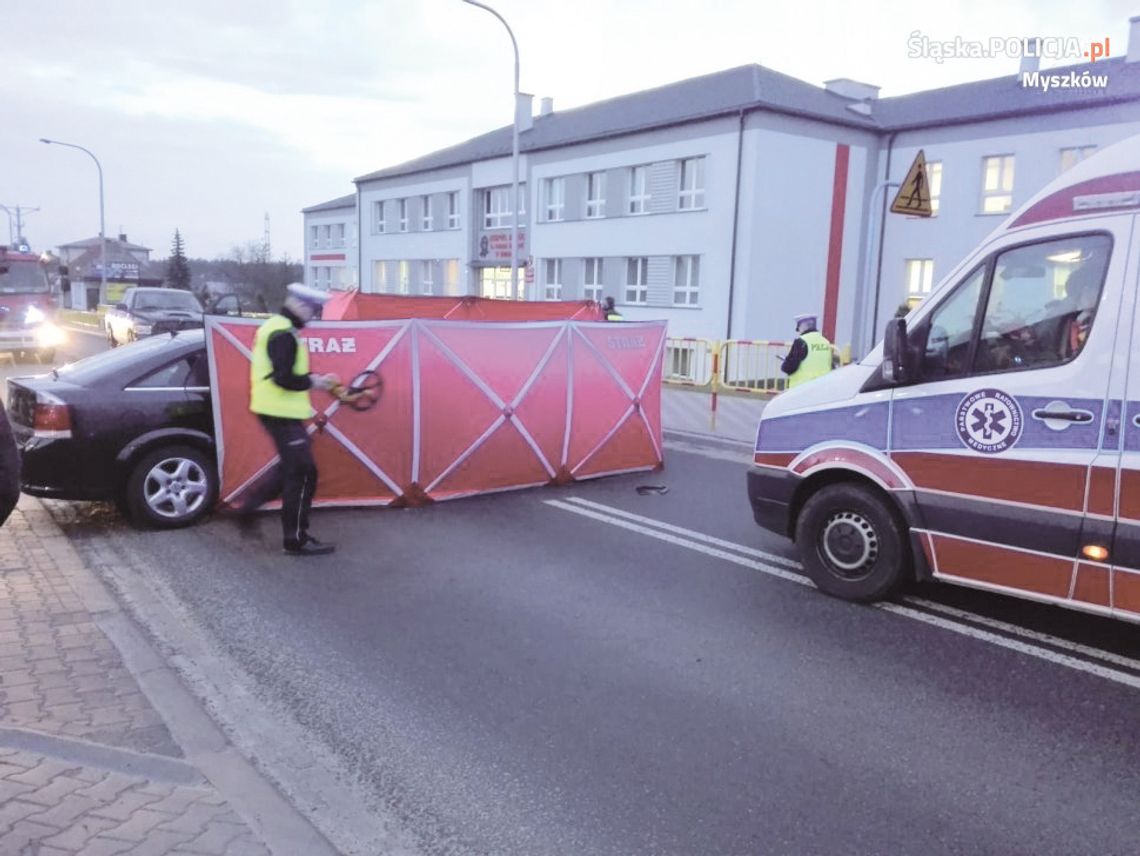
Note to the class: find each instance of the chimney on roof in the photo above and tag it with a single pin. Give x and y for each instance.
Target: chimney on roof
(845, 87)
(546, 107)
(123, 237)
(1030, 59)
(524, 108)
(1133, 39)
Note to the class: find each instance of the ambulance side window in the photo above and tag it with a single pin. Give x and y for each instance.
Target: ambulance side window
(950, 330)
(1042, 303)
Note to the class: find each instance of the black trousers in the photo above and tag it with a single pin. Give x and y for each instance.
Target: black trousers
(294, 479)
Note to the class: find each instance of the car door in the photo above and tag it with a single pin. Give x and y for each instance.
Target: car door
(159, 399)
(199, 413)
(1000, 431)
(1124, 587)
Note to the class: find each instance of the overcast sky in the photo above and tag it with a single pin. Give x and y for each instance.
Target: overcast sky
(207, 114)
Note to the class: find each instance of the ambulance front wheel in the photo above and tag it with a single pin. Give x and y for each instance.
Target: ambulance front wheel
(852, 543)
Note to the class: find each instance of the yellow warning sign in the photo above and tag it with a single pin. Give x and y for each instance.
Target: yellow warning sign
(913, 197)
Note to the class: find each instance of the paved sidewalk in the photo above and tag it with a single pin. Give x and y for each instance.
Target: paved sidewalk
(690, 412)
(87, 765)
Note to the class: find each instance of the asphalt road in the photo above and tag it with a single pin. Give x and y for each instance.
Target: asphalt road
(586, 670)
(543, 673)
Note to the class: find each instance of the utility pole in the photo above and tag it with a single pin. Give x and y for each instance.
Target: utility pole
(266, 252)
(18, 214)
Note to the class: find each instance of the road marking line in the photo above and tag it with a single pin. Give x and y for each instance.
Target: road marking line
(977, 618)
(664, 532)
(680, 542)
(689, 533)
(1051, 656)
(1036, 635)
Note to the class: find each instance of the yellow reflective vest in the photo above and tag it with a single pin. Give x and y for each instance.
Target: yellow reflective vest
(266, 397)
(816, 363)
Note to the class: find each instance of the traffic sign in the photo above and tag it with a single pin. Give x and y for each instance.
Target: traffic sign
(913, 197)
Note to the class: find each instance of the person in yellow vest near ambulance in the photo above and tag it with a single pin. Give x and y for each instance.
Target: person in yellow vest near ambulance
(810, 355)
(279, 394)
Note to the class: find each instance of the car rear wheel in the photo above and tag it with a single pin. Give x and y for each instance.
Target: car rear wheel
(852, 542)
(171, 487)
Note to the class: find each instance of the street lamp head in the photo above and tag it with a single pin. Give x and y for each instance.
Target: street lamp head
(46, 140)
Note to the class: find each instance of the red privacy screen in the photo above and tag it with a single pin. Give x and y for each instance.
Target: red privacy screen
(354, 306)
(466, 407)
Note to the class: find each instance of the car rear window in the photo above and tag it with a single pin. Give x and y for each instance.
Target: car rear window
(166, 299)
(120, 361)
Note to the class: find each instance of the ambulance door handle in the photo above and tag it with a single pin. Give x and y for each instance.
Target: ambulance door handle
(1080, 417)
(1136, 420)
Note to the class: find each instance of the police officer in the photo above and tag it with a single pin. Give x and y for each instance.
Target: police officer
(279, 395)
(611, 314)
(810, 354)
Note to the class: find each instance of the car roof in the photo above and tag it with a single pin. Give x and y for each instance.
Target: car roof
(131, 359)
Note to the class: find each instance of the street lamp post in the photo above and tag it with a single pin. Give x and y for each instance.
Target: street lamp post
(102, 227)
(514, 154)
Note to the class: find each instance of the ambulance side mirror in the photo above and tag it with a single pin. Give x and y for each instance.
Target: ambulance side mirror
(895, 352)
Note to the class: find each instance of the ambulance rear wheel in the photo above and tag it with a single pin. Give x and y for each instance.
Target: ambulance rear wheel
(852, 543)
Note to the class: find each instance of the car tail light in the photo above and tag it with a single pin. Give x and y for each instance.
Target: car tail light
(51, 418)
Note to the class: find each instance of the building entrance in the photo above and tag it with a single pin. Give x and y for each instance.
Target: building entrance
(495, 282)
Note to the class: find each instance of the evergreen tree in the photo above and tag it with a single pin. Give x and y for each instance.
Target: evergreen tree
(177, 267)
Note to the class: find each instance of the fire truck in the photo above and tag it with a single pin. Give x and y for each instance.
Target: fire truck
(27, 305)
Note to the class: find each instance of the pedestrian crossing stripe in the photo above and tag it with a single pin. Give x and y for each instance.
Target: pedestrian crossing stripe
(913, 197)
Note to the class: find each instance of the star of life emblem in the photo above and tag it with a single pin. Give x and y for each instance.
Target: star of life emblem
(988, 421)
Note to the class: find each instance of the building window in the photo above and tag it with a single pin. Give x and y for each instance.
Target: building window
(997, 184)
(686, 280)
(380, 276)
(1072, 157)
(497, 208)
(934, 183)
(403, 215)
(637, 280)
(596, 195)
(405, 274)
(592, 279)
(919, 279)
(378, 224)
(339, 234)
(313, 276)
(326, 232)
(552, 278)
(425, 213)
(453, 210)
(692, 193)
(638, 190)
(313, 237)
(554, 198)
(427, 277)
(451, 277)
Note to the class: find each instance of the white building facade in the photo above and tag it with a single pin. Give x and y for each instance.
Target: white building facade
(331, 244)
(729, 203)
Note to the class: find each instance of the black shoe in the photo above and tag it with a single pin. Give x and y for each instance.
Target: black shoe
(309, 547)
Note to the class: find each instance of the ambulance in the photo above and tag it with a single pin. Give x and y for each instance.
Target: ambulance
(992, 439)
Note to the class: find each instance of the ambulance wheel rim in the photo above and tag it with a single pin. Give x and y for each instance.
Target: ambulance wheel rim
(849, 544)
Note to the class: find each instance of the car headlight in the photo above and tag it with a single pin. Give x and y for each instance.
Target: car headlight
(48, 335)
(34, 315)
(144, 329)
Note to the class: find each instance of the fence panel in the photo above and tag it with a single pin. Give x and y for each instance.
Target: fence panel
(753, 365)
(689, 362)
